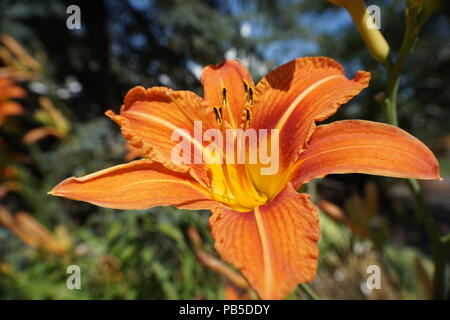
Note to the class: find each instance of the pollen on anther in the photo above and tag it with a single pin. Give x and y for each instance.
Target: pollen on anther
(224, 96)
(218, 113)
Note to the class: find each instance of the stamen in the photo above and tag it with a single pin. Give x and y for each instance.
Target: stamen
(248, 118)
(250, 94)
(240, 198)
(237, 178)
(244, 180)
(229, 118)
(246, 86)
(224, 96)
(218, 113)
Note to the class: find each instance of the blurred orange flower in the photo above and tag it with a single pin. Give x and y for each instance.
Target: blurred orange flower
(30, 231)
(259, 222)
(9, 90)
(337, 214)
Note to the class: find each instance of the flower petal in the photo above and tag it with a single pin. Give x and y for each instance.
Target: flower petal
(8, 89)
(10, 108)
(228, 75)
(149, 117)
(295, 95)
(138, 185)
(364, 147)
(275, 246)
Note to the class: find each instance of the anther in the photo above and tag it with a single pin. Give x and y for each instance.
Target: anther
(248, 117)
(246, 86)
(218, 113)
(250, 95)
(248, 91)
(224, 96)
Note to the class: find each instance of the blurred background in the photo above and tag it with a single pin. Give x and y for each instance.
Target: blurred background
(56, 84)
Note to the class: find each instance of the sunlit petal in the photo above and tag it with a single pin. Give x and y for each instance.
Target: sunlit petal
(138, 185)
(293, 97)
(149, 117)
(365, 147)
(274, 246)
(296, 94)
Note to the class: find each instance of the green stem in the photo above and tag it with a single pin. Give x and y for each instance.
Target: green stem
(393, 80)
(309, 292)
(439, 252)
(440, 283)
(439, 247)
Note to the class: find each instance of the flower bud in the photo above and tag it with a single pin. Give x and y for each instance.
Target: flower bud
(374, 40)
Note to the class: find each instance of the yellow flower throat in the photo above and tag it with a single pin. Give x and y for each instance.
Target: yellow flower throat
(232, 184)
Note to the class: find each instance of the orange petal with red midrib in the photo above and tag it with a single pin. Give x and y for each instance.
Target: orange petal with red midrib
(359, 146)
(275, 246)
(137, 185)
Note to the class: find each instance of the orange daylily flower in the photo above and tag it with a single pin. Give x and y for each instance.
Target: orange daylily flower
(9, 90)
(30, 231)
(259, 222)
